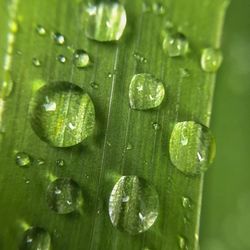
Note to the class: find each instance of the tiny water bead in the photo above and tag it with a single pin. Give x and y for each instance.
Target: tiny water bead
(186, 202)
(156, 126)
(175, 44)
(64, 196)
(139, 57)
(133, 205)
(105, 21)
(192, 147)
(62, 114)
(81, 58)
(58, 38)
(40, 30)
(211, 60)
(36, 238)
(36, 62)
(94, 85)
(22, 159)
(145, 92)
(61, 58)
(60, 163)
(182, 243)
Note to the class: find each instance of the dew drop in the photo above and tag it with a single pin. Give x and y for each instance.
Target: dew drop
(192, 147)
(145, 92)
(22, 159)
(175, 44)
(110, 75)
(94, 85)
(156, 126)
(7, 85)
(139, 57)
(64, 196)
(40, 30)
(81, 58)
(211, 60)
(58, 38)
(105, 21)
(186, 202)
(40, 161)
(158, 8)
(62, 59)
(129, 146)
(36, 238)
(133, 205)
(36, 62)
(60, 163)
(62, 114)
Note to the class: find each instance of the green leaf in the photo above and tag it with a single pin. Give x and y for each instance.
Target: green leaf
(125, 142)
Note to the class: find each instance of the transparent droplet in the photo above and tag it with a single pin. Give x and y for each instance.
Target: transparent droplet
(58, 38)
(36, 62)
(94, 85)
(40, 161)
(211, 60)
(36, 238)
(64, 196)
(105, 21)
(145, 92)
(182, 243)
(156, 126)
(139, 57)
(175, 44)
(27, 181)
(133, 205)
(81, 58)
(192, 147)
(129, 146)
(22, 159)
(40, 30)
(186, 202)
(62, 114)
(62, 59)
(60, 163)
(110, 75)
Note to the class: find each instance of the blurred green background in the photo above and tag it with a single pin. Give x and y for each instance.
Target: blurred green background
(225, 221)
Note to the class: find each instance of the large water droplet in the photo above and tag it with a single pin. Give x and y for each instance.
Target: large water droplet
(175, 44)
(60, 163)
(22, 159)
(133, 205)
(62, 114)
(64, 196)
(145, 92)
(192, 147)
(36, 238)
(211, 59)
(105, 21)
(81, 58)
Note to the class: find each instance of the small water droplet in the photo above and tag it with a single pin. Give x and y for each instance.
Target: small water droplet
(61, 58)
(36, 62)
(145, 92)
(22, 159)
(64, 196)
(156, 126)
(158, 8)
(105, 21)
(186, 202)
(110, 75)
(129, 146)
(40, 161)
(62, 114)
(182, 243)
(40, 30)
(27, 181)
(175, 44)
(211, 60)
(60, 163)
(192, 147)
(58, 38)
(94, 85)
(133, 205)
(36, 238)
(81, 58)
(139, 57)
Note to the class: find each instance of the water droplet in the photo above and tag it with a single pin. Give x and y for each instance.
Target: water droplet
(129, 146)
(140, 58)
(58, 38)
(192, 147)
(36, 62)
(105, 21)
(133, 205)
(62, 114)
(61, 59)
(27, 181)
(81, 58)
(175, 44)
(158, 8)
(94, 85)
(182, 243)
(211, 60)
(40, 30)
(145, 92)
(64, 196)
(186, 202)
(36, 238)
(110, 75)
(156, 126)
(60, 163)
(22, 159)
(40, 161)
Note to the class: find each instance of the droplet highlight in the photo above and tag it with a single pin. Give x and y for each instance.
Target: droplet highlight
(58, 38)
(81, 58)
(105, 21)
(133, 205)
(22, 159)
(192, 147)
(64, 196)
(145, 92)
(62, 114)
(211, 60)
